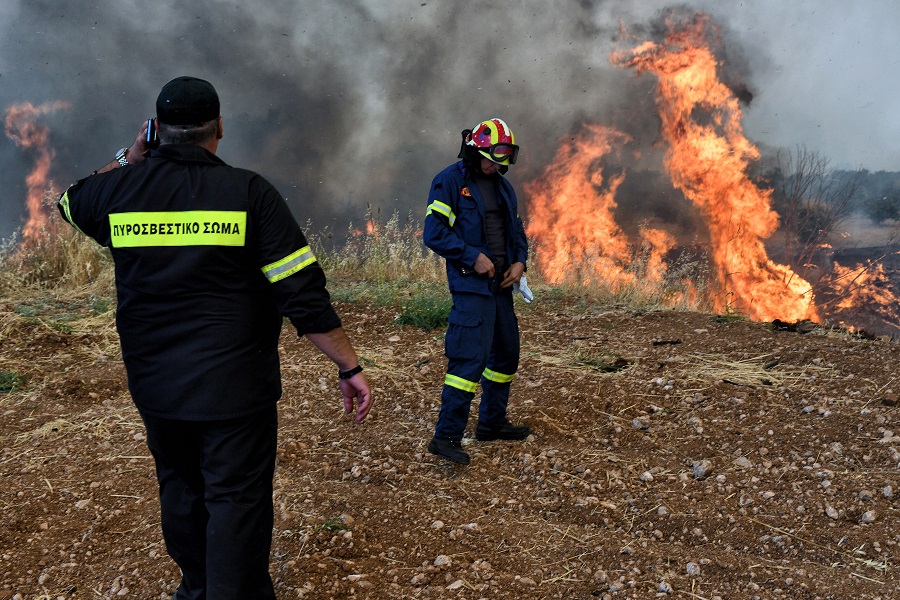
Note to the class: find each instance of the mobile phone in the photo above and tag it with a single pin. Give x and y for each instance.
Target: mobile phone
(152, 136)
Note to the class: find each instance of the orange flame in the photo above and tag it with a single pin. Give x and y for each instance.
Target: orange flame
(861, 286)
(708, 161)
(864, 294)
(22, 128)
(571, 210)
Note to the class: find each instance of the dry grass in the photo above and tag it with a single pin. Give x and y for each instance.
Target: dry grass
(382, 251)
(751, 371)
(59, 261)
(641, 282)
(386, 255)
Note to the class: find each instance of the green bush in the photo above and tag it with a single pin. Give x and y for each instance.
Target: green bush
(10, 381)
(427, 311)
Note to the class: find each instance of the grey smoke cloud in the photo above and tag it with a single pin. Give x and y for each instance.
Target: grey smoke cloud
(344, 103)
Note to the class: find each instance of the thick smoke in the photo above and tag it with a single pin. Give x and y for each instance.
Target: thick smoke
(341, 105)
(351, 103)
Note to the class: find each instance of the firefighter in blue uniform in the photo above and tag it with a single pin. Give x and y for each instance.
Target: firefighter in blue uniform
(473, 222)
(208, 259)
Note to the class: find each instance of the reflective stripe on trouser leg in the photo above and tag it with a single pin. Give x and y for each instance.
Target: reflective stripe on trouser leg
(503, 362)
(467, 346)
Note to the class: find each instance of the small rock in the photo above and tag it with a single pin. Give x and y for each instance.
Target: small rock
(692, 569)
(665, 588)
(702, 469)
(868, 517)
(640, 423)
(455, 585)
(646, 476)
(743, 462)
(443, 560)
(832, 512)
(437, 525)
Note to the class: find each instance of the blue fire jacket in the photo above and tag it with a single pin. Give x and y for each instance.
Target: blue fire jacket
(455, 230)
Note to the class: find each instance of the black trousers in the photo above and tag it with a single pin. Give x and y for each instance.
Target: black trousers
(215, 491)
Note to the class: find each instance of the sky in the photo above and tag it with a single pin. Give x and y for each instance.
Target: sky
(347, 105)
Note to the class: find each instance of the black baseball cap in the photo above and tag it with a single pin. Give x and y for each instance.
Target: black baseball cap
(187, 101)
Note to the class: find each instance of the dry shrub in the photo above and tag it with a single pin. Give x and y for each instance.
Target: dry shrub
(59, 260)
(387, 255)
(381, 252)
(643, 283)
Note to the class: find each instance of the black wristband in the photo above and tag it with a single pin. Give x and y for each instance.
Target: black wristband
(350, 373)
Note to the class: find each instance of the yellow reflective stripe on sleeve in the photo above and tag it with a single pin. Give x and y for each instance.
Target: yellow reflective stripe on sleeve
(460, 383)
(497, 377)
(289, 265)
(179, 228)
(64, 202)
(439, 207)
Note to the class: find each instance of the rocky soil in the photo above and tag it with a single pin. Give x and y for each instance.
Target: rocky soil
(674, 455)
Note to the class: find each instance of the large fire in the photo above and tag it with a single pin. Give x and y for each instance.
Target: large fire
(707, 158)
(23, 129)
(572, 213)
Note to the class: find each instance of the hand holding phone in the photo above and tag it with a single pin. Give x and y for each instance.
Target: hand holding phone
(152, 136)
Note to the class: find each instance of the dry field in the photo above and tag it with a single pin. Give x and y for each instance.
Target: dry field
(674, 455)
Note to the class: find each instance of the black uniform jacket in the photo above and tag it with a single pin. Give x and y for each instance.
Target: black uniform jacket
(208, 258)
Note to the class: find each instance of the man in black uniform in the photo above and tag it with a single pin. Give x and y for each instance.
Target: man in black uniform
(207, 260)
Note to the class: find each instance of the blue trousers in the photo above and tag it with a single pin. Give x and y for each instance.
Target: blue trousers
(215, 491)
(482, 346)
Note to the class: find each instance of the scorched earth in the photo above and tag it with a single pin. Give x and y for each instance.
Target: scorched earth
(674, 455)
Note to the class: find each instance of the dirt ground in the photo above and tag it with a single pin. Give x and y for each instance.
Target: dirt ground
(673, 455)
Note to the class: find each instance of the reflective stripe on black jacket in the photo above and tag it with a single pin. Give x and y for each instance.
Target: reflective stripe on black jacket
(208, 258)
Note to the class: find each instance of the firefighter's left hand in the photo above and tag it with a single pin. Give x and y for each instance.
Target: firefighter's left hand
(512, 274)
(357, 388)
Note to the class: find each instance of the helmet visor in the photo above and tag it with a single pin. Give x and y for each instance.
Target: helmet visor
(504, 154)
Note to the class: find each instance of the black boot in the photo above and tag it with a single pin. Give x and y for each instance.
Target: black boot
(503, 431)
(448, 450)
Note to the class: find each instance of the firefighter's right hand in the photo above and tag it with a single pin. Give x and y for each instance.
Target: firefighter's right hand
(484, 266)
(357, 388)
(139, 147)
